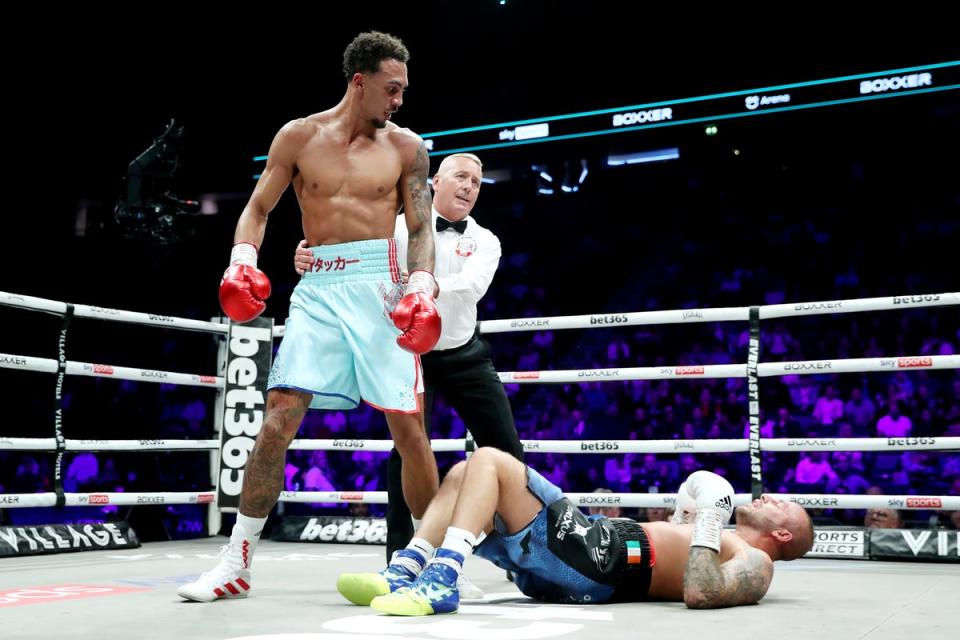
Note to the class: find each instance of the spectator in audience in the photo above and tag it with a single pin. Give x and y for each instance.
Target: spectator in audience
(829, 408)
(359, 510)
(814, 468)
(27, 478)
(860, 411)
(81, 473)
(845, 479)
(883, 519)
(894, 424)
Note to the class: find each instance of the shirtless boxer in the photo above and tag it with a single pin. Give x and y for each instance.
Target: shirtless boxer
(353, 331)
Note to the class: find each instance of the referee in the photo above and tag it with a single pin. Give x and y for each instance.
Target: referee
(459, 367)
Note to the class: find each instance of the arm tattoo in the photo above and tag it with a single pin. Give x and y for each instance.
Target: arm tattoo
(707, 584)
(702, 580)
(420, 241)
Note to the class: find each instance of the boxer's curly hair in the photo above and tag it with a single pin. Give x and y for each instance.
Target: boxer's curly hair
(369, 49)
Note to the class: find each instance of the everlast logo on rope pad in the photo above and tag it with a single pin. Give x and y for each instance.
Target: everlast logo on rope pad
(249, 351)
(753, 393)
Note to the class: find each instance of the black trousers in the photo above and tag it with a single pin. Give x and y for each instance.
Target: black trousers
(466, 377)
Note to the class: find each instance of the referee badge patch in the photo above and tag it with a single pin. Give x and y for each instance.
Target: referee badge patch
(466, 246)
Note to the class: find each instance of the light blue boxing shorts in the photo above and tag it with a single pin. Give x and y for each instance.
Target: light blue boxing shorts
(340, 343)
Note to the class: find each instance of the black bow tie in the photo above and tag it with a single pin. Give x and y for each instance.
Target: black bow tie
(444, 224)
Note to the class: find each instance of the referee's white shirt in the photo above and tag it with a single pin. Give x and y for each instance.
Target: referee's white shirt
(464, 268)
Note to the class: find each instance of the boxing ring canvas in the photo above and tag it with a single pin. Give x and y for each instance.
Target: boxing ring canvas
(131, 593)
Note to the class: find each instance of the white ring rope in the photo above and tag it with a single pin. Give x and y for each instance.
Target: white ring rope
(343, 444)
(353, 444)
(592, 321)
(96, 499)
(840, 501)
(712, 371)
(721, 314)
(48, 365)
(668, 500)
(712, 314)
(636, 446)
(117, 315)
(642, 500)
(856, 365)
(719, 445)
(855, 305)
(939, 443)
(624, 373)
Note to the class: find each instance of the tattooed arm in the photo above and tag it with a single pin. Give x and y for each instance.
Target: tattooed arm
(417, 209)
(416, 313)
(743, 579)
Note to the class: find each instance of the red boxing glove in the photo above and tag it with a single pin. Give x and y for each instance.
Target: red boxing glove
(417, 316)
(244, 287)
